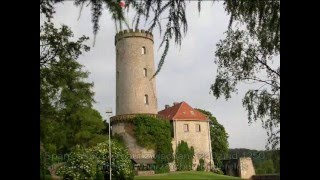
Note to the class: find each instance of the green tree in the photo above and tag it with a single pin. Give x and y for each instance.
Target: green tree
(219, 138)
(66, 114)
(184, 156)
(249, 54)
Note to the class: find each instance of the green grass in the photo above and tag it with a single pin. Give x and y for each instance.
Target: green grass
(186, 175)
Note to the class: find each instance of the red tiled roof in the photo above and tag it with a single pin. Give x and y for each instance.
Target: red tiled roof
(182, 111)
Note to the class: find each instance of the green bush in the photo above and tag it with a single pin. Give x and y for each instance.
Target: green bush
(45, 162)
(93, 163)
(162, 169)
(120, 163)
(184, 157)
(201, 165)
(81, 164)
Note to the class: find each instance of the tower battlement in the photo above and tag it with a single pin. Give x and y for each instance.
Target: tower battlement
(133, 33)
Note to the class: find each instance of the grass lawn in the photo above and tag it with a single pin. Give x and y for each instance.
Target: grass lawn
(186, 175)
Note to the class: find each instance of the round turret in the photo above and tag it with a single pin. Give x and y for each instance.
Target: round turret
(135, 90)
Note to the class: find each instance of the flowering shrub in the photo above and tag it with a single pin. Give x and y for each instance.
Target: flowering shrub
(81, 164)
(93, 163)
(121, 165)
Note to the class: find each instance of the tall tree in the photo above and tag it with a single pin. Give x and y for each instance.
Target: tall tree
(249, 53)
(219, 138)
(66, 114)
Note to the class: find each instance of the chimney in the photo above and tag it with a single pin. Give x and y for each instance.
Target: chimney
(175, 103)
(166, 106)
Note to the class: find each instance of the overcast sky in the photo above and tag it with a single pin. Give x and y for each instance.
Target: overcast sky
(187, 74)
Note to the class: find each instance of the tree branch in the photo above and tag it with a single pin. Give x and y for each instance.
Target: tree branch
(267, 66)
(260, 80)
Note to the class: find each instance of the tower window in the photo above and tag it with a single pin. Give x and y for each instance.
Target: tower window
(117, 74)
(146, 99)
(198, 128)
(143, 50)
(145, 73)
(186, 128)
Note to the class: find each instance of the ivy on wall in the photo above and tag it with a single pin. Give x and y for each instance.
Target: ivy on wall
(155, 133)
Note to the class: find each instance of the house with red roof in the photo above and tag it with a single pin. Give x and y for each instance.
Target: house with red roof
(193, 127)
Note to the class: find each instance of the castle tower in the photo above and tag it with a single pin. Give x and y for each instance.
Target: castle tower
(135, 90)
(135, 87)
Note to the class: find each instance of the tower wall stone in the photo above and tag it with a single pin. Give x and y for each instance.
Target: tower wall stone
(131, 83)
(134, 71)
(125, 130)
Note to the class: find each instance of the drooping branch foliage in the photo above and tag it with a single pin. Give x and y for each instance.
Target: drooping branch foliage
(249, 53)
(47, 8)
(168, 16)
(113, 7)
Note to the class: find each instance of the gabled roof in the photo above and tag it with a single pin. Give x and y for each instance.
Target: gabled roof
(182, 111)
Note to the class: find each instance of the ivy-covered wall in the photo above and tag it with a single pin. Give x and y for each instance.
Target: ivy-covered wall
(155, 133)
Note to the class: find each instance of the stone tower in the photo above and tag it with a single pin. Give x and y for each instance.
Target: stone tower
(135, 87)
(135, 92)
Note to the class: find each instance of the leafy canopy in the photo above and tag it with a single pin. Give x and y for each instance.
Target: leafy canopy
(250, 54)
(66, 114)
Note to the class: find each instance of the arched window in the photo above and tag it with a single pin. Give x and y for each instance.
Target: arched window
(145, 73)
(146, 100)
(143, 50)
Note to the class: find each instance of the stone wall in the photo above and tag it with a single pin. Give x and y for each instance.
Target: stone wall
(246, 169)
(199, 140)
(125, 130)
